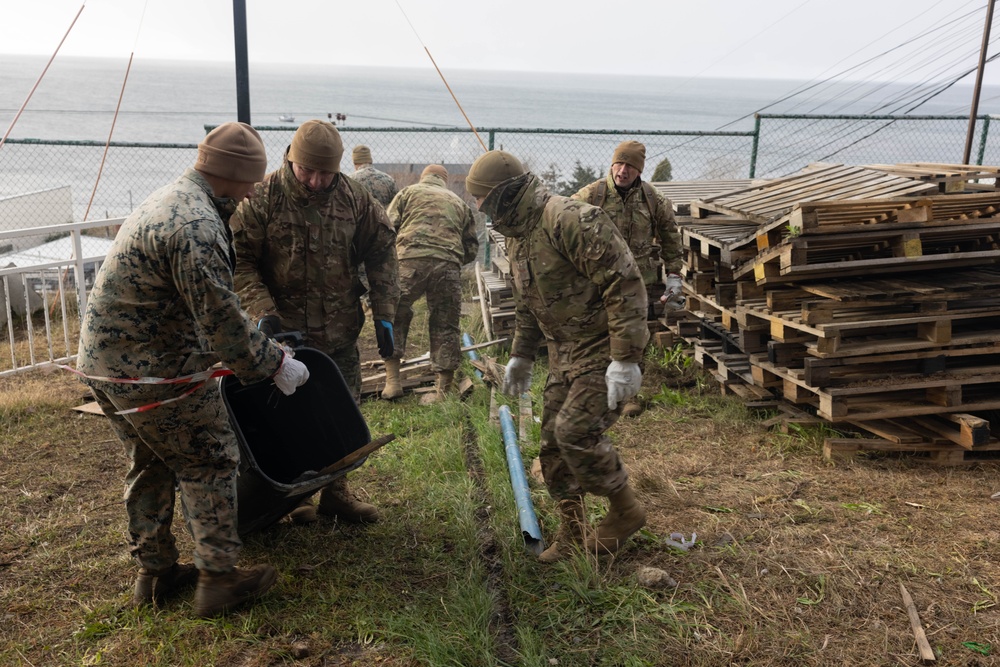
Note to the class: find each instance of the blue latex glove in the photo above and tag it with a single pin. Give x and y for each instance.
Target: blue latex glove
(269, 325)
(383, 334)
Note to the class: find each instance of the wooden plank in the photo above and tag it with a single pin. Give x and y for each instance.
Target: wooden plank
(926, 652)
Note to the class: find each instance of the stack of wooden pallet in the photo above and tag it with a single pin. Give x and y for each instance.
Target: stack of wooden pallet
(496, 289)
(860, 295)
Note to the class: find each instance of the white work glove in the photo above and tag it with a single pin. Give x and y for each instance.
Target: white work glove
(291, 375)
(517, 377)
(673, 295)
(624, 381)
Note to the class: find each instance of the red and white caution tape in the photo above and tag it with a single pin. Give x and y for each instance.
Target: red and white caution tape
(197, 379)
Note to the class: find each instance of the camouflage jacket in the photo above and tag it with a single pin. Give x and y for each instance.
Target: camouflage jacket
(298, 254)
(163, 303)
(652, 236)
(575, 280)
(380, 184)
(433, 222)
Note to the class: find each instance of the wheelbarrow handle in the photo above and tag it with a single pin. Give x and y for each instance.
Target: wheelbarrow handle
(357, 454)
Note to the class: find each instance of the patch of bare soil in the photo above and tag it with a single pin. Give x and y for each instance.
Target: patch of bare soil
(799, 561)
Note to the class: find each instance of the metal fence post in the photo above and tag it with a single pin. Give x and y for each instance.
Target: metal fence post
(982, 139)
(492, 135)
(756, 142)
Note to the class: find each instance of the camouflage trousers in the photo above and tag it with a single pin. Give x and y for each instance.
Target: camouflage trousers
(190, 445)
(348, 360)
(441, 282)
(577, 456)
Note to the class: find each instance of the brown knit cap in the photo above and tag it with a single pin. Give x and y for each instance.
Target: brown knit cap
(317, 145)
(491, 169)
(361, 155)
(631, 153)
(233, 151)
(436, 169)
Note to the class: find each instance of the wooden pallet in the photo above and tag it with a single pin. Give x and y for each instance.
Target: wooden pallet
(730, 244)
(682, 193)
(971, 391)
(878, 251)
(771, 201)
(937, 455)
(876, 330)
(948, 177)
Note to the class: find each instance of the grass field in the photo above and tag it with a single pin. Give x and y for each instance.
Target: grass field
(797, 561)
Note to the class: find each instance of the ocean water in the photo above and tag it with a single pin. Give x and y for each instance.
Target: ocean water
(173, 102)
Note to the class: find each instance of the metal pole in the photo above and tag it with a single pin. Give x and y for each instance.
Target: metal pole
(982, 139)
(756, 142)
(979, 83)
(242, 69)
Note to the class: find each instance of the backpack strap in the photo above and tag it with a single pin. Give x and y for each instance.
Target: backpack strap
(651, 199)
(598, 194)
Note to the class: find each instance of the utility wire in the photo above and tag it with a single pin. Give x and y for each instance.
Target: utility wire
(40, 77)
(457, 103)
(816, 83)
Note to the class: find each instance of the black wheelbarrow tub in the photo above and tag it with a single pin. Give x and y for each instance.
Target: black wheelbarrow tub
(285, 441)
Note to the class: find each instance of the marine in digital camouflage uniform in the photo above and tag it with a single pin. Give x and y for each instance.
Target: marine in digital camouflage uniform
(163, 306)
(644, 217)
(300, 242)
(435, 237)
(380, 184)
(577, 287)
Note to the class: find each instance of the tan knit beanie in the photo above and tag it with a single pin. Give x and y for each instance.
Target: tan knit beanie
(489, 170)
(361, 155)
(233, 151)
(631, 153)
(436, 169)
(317, 145)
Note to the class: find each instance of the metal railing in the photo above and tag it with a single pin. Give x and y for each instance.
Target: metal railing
(48, 295)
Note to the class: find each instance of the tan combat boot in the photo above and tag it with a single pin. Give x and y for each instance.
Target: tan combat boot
(442, 385)
(337, 500)
(625, 516)
(219, 592)
(156, 586)
(393, 389)
(632, 408)
(572, 524)
(304, 513)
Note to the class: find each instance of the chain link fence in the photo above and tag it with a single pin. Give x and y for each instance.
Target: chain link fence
(52, 182)
(789, 142)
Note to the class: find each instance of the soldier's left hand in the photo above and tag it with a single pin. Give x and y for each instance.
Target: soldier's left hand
(673, 295)
(383, 334)
(624, 380)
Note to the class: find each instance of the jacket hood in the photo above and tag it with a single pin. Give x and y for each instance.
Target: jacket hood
(434, 179)
(298, 192)
(516, 205)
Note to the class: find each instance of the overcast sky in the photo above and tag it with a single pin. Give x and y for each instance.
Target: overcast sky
(791, 39)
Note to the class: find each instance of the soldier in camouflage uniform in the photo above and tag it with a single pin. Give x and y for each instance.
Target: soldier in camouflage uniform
(380, 184)
(300, 241)
(646, 220)
(435, 236)
(577, 286)
(163, 306)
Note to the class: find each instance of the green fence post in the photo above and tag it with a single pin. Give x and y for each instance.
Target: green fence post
(756, 142)
(492, 135)
(982, 139)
